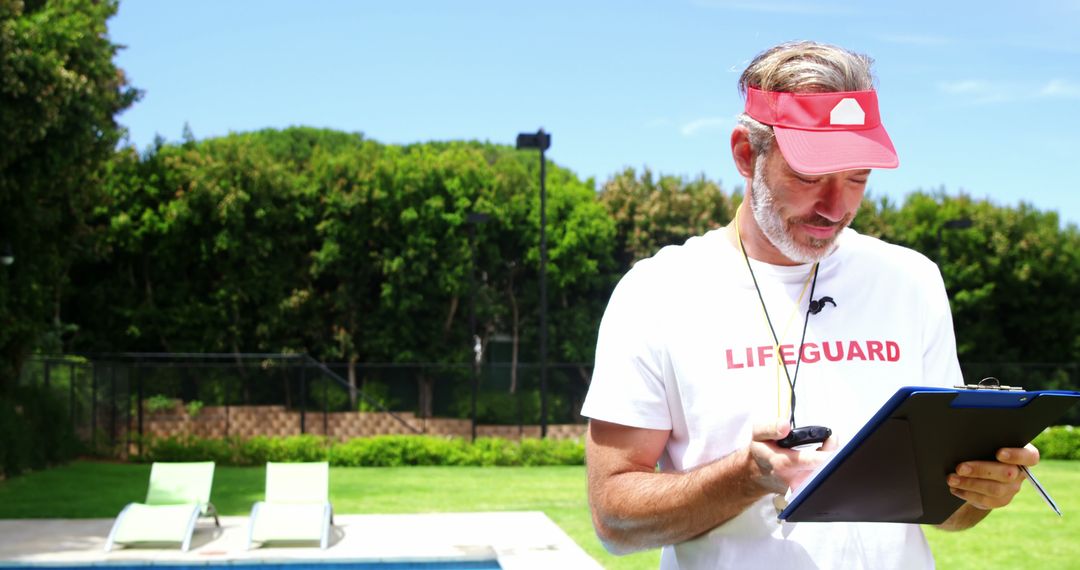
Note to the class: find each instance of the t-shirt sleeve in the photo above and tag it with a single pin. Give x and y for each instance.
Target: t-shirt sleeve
(627, 384)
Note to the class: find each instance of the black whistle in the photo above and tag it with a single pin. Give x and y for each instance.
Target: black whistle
(805, 436)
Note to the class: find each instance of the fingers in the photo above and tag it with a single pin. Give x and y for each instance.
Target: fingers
(992, 484)
(830, 444)
(989, 470)
(771, 431)
(779, 469)
(983, 493)
(1027, 455)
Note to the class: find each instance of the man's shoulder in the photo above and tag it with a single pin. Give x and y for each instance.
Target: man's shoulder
(676, 261)
(870, 249)
(676, 273)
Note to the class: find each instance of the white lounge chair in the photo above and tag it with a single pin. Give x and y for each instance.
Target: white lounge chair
(178, 494)
(297, 505)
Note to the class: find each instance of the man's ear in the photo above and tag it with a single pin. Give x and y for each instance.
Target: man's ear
(742, 152)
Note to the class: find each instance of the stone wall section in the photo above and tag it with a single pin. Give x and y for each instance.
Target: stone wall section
(276, 421)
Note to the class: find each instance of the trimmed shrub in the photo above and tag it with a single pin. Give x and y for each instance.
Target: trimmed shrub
(34, 432)
(488, 451)
(1059, 442)
(14, 446)
(547, 452)
(189, 448)
(379, 451)
(399, 450)
(260, 449)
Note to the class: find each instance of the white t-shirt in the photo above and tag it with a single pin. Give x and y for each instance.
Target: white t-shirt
(684, 346)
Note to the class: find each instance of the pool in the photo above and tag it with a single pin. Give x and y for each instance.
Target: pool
(428, 541)
(466, 565)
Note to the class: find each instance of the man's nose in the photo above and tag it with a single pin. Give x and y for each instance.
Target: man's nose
(832, 201)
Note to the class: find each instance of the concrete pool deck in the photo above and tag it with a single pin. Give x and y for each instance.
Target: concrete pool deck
(518, 540)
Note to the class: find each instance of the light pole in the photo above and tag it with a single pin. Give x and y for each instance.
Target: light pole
(474, 219)
(541, 140)
(7, 256)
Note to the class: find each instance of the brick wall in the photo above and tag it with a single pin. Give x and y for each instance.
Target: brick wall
(249, 421)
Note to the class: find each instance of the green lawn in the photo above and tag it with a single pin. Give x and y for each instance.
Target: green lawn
(1027, 535)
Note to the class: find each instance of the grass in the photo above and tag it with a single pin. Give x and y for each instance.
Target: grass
(1025, 535)
(87, 489)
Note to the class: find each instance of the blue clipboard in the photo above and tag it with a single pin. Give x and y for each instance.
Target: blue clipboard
(894, 469)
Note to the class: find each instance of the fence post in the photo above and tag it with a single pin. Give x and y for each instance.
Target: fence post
(225, 382)
(139, 403)
(326, 406)
(128, 417)
(71, 395)
(71, 377)
(93, 404)
(303, 397)
(112, 417)
(520, 413)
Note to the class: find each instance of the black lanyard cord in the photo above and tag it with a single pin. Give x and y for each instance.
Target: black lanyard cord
(802, 342)
(776, 341)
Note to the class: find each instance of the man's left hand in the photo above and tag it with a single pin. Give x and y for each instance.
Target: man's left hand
(992, 484)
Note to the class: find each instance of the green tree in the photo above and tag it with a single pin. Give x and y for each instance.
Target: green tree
(59, 94)
(317, 241)
(651, 213)
(1012, 277)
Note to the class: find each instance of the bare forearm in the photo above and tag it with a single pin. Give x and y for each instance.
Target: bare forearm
(964, 518)
(639, 510)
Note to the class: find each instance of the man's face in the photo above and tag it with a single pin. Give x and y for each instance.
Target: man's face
(801, 214)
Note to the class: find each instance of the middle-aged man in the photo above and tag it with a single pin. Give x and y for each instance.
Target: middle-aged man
(709, 352)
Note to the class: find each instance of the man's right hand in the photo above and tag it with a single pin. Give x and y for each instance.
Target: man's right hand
(636, 507)
(777, 468)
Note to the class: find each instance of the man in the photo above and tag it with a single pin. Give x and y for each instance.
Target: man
(709, 352)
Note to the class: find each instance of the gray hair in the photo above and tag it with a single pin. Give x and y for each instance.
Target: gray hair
(801, 67)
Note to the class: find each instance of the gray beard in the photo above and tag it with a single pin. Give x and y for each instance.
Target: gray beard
(771, 221)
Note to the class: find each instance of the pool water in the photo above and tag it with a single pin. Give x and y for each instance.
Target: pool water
(469, 565)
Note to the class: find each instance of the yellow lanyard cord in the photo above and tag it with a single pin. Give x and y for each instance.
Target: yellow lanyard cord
(765, 314)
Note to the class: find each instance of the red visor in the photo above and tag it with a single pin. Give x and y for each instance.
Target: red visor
(819, 133)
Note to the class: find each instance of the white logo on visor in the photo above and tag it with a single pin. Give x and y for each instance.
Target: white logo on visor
(847, 112)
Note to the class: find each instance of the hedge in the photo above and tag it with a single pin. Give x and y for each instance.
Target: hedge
(31, 437)
(1060, 442)
(378, 451)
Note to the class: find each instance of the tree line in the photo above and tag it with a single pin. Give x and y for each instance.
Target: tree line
(326, 242)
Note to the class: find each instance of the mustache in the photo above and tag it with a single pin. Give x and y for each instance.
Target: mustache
(819, 221)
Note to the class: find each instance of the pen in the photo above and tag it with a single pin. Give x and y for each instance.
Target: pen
(1039, 488)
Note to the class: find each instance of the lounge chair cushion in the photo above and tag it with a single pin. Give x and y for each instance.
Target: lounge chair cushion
(159, 523)
(289, 522)
(297, 505)
(177, 495)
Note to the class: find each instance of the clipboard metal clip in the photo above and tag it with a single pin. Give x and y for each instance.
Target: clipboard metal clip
(990, 383)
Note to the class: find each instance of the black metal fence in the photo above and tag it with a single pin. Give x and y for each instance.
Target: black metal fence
(102, 392)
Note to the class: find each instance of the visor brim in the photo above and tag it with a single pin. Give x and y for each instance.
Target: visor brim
(825, 152)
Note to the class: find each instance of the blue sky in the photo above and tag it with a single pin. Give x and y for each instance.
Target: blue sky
(980, 97)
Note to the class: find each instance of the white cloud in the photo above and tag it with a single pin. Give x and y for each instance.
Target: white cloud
(982, 91)
(1061, 89)
(979, 90)
(705, 124)
(966, 86)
